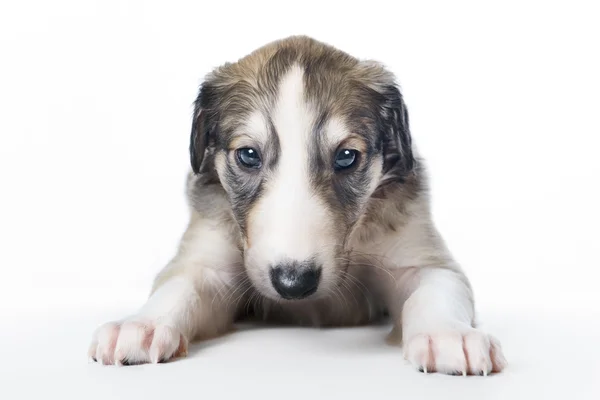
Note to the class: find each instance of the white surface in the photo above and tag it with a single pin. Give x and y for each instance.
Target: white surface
(552, 355)
(95, 101)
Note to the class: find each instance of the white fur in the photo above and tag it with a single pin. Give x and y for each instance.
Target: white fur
(336, 131)
(432, 301)
(255, 131)
(437, 327)
(188, 301)
(155, 333)
(289, 221)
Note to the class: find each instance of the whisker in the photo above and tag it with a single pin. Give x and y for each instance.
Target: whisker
(240, 285)
(242, 295)
(345, 284)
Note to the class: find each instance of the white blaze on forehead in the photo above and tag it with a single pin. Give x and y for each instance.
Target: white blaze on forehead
(293, 124)
(289, 220)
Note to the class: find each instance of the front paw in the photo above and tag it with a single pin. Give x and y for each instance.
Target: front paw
(456, 353)
(136, 342)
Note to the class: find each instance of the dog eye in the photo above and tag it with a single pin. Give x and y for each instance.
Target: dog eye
(345, 158)
(248, 157)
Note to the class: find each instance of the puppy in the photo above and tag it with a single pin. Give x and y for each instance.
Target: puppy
(309, 206)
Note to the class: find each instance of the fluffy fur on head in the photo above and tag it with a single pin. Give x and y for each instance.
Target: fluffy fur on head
(336, 84)
(299, 95)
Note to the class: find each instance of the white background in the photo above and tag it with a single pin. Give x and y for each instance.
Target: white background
(95, 107)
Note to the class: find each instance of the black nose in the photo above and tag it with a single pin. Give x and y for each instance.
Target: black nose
(294, 281)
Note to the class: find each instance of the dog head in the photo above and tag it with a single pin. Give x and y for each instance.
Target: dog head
(300, 136)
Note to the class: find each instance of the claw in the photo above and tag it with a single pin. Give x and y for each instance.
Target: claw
(485, 372)
(424, 369)
(465, 372)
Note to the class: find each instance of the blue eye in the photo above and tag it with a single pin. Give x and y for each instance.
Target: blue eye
(345, 158)
(248, 157)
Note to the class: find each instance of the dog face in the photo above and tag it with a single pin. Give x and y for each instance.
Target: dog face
(300, 135)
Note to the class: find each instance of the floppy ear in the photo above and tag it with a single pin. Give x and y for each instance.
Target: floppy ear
(198, 140)
(203, 126)
(397, 143)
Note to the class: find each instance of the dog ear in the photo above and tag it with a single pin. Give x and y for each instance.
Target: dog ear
(198, 140)
(395, 131)
(203, 127)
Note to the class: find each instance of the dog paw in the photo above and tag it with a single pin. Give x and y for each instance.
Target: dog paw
(136, 342)
(455, 353)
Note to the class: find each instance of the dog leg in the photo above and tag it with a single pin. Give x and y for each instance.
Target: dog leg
(438, 333)
(194, 296)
